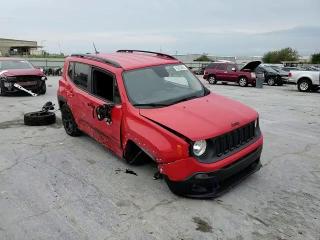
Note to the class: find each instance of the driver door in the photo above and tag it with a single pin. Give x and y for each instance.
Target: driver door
(104, 90)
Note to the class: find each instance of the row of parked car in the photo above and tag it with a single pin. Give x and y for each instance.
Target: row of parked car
(307, 79)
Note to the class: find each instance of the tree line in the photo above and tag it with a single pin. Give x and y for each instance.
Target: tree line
(279, 56)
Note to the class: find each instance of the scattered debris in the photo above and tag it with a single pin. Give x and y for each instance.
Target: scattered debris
(128, 171)
(202, 225)
(157, 176)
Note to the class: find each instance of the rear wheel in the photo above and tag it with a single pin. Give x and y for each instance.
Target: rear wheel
(212, 80)
(304, 85)
(243, 82)
(271, 82)
(68, 121)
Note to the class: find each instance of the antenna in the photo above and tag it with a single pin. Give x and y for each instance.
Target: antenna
(95, 49)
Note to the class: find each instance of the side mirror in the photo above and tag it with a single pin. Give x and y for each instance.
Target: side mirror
(233, 69)
(104, 112)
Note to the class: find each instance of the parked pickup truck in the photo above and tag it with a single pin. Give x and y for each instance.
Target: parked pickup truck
(306, 80)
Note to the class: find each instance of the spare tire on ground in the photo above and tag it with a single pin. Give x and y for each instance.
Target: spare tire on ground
(39, 118)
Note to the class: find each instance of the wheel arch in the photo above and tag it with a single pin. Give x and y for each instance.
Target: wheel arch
(304, 78)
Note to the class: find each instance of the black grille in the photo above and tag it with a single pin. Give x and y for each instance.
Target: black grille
(27, 78)
(235, 139)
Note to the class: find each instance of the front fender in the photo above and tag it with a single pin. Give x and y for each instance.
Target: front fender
(159, 143)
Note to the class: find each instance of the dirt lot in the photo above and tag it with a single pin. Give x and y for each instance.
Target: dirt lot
(53, 186)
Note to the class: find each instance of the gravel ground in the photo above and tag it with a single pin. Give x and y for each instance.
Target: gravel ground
(53, 186)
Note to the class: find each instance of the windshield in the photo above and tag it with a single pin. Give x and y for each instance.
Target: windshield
(162, 85)
(14, 64)
(269, 69)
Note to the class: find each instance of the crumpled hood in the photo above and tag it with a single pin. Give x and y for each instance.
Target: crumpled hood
(202, 118)
(21, 72)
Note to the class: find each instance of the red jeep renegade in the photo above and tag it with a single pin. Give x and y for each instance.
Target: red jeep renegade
(149, 105)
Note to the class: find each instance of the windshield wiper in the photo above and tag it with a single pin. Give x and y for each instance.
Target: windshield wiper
(150, 105)
(185, 99)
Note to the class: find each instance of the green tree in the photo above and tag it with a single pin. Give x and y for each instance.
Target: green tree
(203, 58)
(285, 54)
(315, 58)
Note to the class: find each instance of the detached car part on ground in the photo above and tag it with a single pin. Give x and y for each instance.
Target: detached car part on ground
(306, 80)
(145, 105)
(41, 118)
(18, 71)
(226, 71)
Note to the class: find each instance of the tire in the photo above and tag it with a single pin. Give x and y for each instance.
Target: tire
(243, 82)
(271, 82)
(40, 118)
(304, 85)
(43, 89)
(69, 124)
(2, 92)
(212, 80)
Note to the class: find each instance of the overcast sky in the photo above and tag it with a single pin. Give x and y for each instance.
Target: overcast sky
(220, 27)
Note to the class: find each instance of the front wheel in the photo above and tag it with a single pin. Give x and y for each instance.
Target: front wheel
(212, 80)
(243, 82)
(304, 85)
(2, 92)
(68, 121)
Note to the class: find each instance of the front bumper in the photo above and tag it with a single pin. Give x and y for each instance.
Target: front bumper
(9, 88)
(190, 178)
(213, 184)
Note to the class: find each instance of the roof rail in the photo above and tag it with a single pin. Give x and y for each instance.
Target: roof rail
(141, 51)
(98, 59)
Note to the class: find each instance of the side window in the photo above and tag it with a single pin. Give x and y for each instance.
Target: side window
(222, 67)
(81, 75)
(71, 70)
(230, 66)
(104, 85)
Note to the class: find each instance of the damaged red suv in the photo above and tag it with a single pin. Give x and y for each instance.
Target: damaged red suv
(146, 105)
(19, 71)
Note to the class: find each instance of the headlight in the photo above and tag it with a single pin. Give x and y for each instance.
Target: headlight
(199, 148)
(44, 78)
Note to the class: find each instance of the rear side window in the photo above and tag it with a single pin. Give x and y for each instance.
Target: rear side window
(212, 65)
(81, 75)
(221, 67)
(70, 70)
